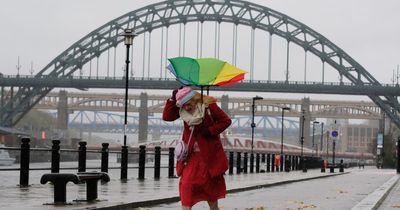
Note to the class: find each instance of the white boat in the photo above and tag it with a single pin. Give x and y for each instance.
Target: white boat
(5, 159)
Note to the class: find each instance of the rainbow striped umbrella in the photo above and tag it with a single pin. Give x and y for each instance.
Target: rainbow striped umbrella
(204, 71)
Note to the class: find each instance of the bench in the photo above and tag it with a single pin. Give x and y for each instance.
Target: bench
(91, 179)
(60, 184)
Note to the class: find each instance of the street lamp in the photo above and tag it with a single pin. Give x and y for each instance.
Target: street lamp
(303, 119)
(283, 115)
(128, 40)
(313, 131)
(253, 125)
(322, 138)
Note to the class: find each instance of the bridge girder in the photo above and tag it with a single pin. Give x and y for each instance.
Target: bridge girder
(167, 13)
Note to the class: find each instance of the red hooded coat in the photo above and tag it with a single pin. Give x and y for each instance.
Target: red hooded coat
(202, 174)
(211, 149)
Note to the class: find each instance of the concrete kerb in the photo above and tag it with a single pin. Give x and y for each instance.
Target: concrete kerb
(375, 199)
(173, 199)
(241, 189)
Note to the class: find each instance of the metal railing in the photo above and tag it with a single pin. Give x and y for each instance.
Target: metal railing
(150, 158)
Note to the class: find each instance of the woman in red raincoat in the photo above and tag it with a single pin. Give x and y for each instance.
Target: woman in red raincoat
(201, 175)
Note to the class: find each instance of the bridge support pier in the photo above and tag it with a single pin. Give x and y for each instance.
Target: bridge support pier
(143, 118)
(62, 111)
(224, 103)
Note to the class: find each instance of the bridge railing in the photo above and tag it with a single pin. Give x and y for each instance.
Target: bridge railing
(35, 77)
(156, 160)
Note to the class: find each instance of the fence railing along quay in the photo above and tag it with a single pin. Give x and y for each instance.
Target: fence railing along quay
(151, 158)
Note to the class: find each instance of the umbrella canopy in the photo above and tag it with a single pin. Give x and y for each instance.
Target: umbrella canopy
(204, 71)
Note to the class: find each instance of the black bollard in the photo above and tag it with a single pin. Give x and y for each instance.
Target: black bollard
(398, 155)
(82, 157)
(257, 163)
(245, 157)
(230, 163)
(238, 163)
(263, 161)
(252, 163)
(273, 163)
(24, 163)
(157, 162)
(304, 164)
(322, 166)
(287, 163)
(171, 162)
(142, 161)
(292, 162)
(104, 157)
(341, 166)
(124, 162)
(268, 162)
(55, 156)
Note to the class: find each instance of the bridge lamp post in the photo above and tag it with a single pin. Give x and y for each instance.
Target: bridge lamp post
(253, 125)
(313, 142)
(283, 115)
(128, 40)
(322, 138)
(303, 119)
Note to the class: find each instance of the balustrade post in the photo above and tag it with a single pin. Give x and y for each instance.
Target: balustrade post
(245, 163)
(55, 156)
(230, 163)
(257, 163)
(104, 157)
(157, 162)
(24, 163)
(238, 163)
(171, 162)
(82, 156)
(142, 161)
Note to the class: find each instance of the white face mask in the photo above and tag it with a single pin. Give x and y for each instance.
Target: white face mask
(194, 118)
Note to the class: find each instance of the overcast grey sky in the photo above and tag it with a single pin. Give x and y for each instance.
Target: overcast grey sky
(37, 31)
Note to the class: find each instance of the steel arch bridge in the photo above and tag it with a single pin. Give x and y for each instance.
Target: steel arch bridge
(167, 13)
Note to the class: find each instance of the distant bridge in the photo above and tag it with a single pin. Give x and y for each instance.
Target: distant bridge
(103, 113)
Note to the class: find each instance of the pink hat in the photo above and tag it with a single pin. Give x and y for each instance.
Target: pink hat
(184, 95)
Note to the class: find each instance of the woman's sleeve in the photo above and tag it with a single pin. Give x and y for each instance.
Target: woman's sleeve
(221, 120)
(170, 111)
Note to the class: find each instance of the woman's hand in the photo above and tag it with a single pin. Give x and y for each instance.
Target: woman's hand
(173, 97)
